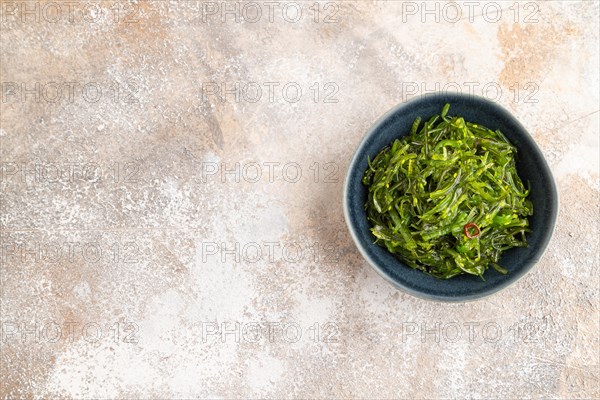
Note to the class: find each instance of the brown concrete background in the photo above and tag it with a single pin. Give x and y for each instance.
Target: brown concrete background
(120, 274)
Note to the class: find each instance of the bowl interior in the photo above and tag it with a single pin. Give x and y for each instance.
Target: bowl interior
(531, 167)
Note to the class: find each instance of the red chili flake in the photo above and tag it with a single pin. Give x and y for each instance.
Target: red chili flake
(469, 226)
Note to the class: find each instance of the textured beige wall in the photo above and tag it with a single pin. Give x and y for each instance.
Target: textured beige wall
(137, 264)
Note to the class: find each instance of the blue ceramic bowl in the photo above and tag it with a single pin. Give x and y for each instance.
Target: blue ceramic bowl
(531, 166)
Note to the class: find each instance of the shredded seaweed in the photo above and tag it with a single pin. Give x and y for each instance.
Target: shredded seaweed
(446, 198)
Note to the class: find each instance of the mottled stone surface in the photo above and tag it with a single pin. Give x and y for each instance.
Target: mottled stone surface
(159, 241)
